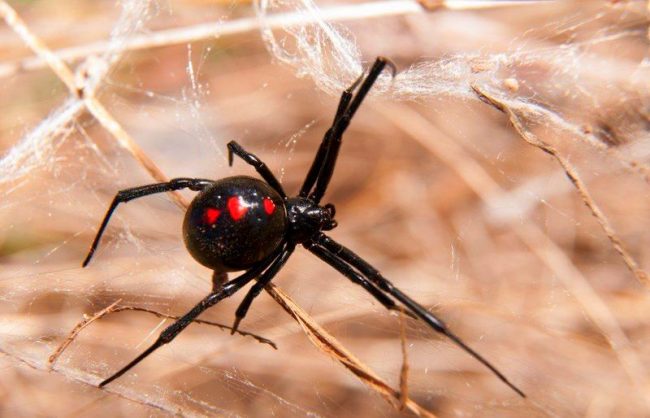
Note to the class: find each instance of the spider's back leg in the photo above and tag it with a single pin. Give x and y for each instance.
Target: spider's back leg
(344, 254)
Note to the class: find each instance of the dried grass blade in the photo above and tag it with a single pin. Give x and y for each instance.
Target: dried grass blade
(77, 329)
(517, 122)
(326, 343)
(549, 253)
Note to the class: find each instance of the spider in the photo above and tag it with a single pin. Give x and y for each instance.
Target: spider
(242, 223)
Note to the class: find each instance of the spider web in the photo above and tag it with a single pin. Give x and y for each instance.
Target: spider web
(500, 178)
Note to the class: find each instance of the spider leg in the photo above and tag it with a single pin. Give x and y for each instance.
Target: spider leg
(312, 174)
(262, 281)
(174, 329)
(343, 268)
(339, 126)
(219, 278)
(260, 167)
(384, 284)
(126, 195)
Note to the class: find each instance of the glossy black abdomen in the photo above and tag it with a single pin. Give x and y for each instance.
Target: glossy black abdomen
(234, 223)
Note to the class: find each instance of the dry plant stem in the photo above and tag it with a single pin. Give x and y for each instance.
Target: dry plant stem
(326, 343)
(124, 139)
(214, 30)
(35, 44)
(77, 329)
(404, 373)
(259, 338)
(210, 30)
(114, 308)
(322, 340)
(586, 136)
(480, 181)
(71, 108)
(86, 94)
(517, 122)
(433, 5)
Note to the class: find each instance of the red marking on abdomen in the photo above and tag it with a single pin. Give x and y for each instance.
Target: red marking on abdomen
(210, 216)
(269, 206)
(236, 208)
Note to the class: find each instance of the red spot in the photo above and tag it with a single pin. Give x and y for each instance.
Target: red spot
(269, 206)
(236, 208)
(210, 216)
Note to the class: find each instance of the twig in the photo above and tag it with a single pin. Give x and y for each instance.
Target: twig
(326, 343)
(404, 372)
(212, 30)
(573, 175)
(480, 181)
(70, 109)
(77, 329)
(124, 139)
(432, 5)
(85, 91)
(259, 338)
(35, 44)
(114, 308)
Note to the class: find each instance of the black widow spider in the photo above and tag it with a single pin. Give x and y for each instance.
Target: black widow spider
(242, 223)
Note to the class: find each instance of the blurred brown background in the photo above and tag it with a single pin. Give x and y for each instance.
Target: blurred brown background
(440, 192)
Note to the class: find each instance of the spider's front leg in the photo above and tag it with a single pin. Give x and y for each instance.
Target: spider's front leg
(312, 174)
(126, 195)
(324, 162)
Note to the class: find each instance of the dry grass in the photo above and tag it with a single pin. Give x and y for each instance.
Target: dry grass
(536, 255)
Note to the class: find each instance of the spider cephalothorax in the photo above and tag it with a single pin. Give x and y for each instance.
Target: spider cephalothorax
(242, 223)
(307, 218)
